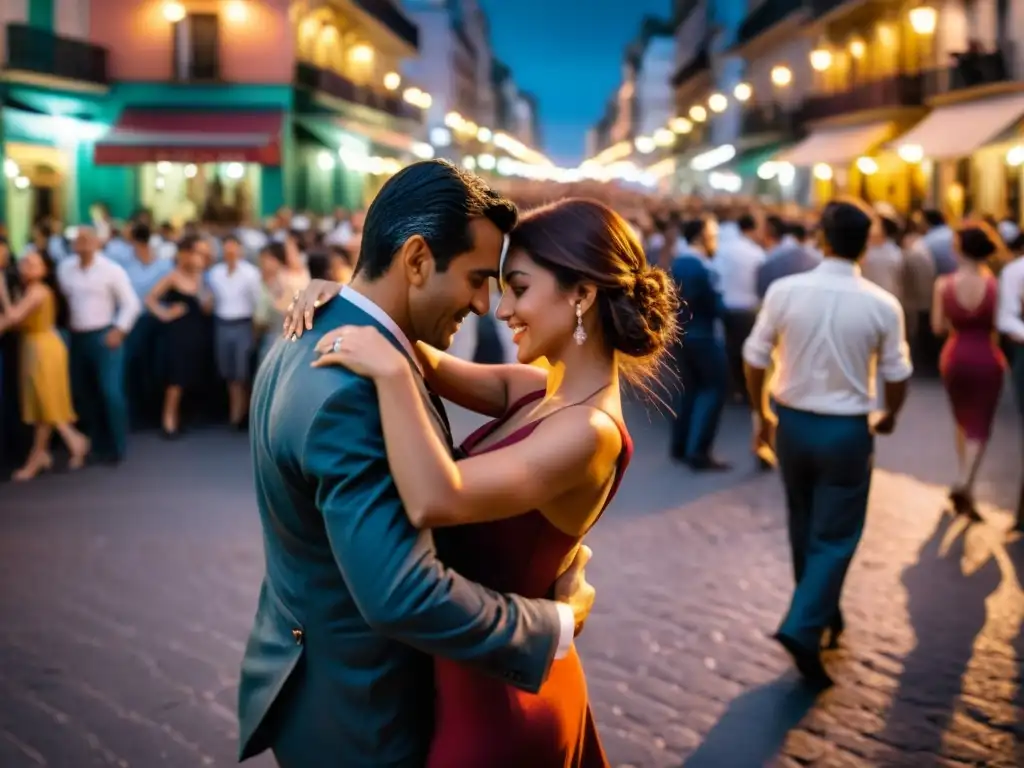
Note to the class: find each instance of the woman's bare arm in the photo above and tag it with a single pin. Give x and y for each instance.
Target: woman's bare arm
(565, 450)
(486, 389)
(938, 315)
(15, 313)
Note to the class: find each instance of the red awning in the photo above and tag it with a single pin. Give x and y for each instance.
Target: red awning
(150, 136)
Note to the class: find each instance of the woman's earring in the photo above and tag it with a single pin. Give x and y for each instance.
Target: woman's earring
(579, 334)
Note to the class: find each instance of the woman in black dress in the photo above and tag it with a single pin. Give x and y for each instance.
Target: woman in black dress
(178, 301)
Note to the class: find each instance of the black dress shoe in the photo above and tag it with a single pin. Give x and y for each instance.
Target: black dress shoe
(807, 661)
(707, 464)
(835, 631)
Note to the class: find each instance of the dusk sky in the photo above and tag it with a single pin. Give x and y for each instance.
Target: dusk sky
(569, 54)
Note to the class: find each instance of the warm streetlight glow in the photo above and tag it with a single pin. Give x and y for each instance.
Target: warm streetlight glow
(454, 120)
(392, 81)
(1015, 156)
(867, 165)
(821, 59)
(782, 76)
(236, 11)
(681, 125)
(857, 48)
(718, 102)
(911, 153)
(664, 137)
(644, 144)
(484, 134)
(174, 12)
(742, 92)
(361, 53)
(923, 19)
(823, 172)
(698, 114)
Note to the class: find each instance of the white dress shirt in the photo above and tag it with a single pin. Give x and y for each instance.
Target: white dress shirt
(1010, 319)
(236, 292)
(736, 263)
(567, 620)
(99, 296)
(833, 330)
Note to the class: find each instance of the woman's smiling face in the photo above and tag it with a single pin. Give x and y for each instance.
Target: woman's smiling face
(539, 312)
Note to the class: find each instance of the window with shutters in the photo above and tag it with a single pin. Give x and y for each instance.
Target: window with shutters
(197, 47)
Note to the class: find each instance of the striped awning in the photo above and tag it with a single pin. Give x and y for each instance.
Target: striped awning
(149, 136)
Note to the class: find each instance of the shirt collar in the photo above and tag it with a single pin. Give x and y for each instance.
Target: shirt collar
(353, 296)
(835, 266)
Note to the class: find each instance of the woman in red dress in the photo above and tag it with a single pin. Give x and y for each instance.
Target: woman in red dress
(972, 365)
(532, 482)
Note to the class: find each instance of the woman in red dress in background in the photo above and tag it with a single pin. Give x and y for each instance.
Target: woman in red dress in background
(972, 365)
(579, 293)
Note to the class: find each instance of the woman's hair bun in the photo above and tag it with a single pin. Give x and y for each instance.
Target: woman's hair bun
(644, 317)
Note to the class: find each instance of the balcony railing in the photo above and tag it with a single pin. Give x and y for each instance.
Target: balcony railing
(766, 16)
(391, 16)
(762, 119)
(891, 92)
(969, 70)
(30, 49)
(340, 87)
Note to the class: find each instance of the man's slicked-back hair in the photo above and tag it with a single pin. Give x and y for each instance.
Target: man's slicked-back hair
(433, 199)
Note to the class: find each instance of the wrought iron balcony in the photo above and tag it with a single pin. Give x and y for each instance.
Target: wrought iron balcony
(391, 16)
(764, 17)
(888, 93)
(340, 87)
(30, 49)
(760, 119)
(969, 70)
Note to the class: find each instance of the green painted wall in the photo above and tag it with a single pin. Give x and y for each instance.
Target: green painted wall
(115, 185)
(41, 14)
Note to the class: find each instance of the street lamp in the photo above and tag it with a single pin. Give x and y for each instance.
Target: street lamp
(174, 12)
(392, 81)
(821, 59)
(911, 153)
(681, 125)
(867, 166)
(742, 92)
(923, 19)
(718, 102)
(698, 114)
(782, 76)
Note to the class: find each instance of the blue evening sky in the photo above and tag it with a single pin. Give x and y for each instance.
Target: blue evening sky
(569, 54)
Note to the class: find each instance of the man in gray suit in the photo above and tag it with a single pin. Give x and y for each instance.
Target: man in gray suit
(354, 602)
(787, 254)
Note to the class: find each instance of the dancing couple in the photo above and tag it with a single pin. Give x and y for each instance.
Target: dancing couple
(421, 599)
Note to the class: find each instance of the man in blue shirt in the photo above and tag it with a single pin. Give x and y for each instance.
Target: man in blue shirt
(700, 355)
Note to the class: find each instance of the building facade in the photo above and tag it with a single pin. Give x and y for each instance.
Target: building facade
(218, 109)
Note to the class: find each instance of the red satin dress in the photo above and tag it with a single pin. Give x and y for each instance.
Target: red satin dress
(972, 365)
(481, 722)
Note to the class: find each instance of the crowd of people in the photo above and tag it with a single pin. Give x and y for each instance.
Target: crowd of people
(163, 327)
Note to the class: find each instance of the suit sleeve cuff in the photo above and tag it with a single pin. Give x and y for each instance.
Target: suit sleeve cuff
(567, 630)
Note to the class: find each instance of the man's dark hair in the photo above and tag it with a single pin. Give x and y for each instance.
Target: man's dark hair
(433, 199)
(231, 238)
(747, 223)
(141, 234)
(891, 228)
(188, 243)
(846, 226)
(694, 230)
(797, 230)
(933, 217)
(777, 227)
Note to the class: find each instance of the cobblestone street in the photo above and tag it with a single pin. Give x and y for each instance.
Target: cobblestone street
(128, 593)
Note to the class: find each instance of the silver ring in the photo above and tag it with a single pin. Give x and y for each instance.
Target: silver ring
(336, 346)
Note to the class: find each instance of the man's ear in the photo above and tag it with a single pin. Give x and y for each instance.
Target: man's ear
(416, 260)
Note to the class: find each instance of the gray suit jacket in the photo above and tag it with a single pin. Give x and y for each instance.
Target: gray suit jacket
(354, 603)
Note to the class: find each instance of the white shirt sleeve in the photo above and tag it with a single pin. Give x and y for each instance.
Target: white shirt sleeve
(757, 349)
(128, 305)
(567, 630)
(894, 351)
(1011, 301)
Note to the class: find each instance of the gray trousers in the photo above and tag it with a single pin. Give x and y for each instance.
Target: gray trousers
(826, 464)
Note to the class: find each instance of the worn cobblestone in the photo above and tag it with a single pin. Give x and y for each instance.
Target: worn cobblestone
(128, 594)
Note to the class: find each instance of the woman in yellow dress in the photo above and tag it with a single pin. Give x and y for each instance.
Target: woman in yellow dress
(45, 380)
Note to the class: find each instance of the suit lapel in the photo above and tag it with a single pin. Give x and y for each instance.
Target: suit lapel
(343, 312)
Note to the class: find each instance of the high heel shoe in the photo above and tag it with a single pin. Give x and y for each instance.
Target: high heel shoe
(33, 468)
(78, 457)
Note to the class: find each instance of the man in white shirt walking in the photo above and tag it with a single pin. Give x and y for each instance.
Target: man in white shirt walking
(102, 308)
(1011, 322)
(831, 329)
